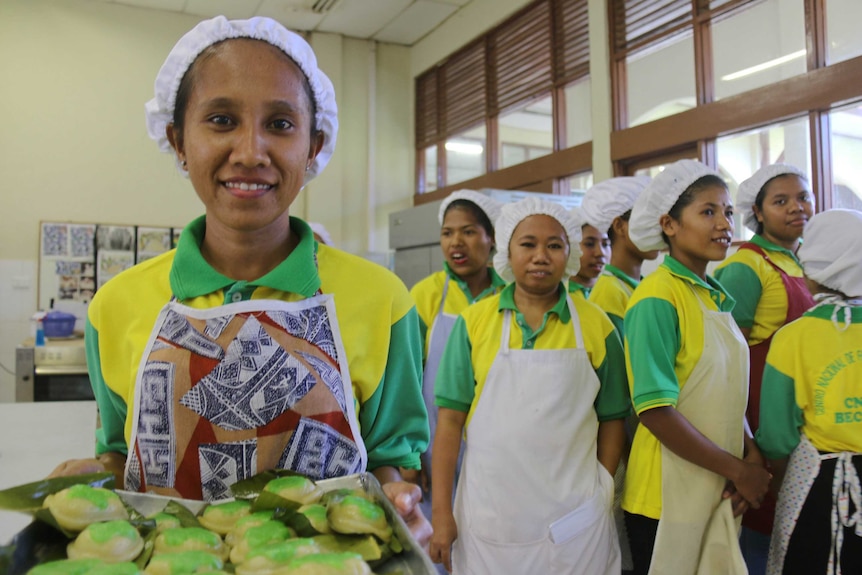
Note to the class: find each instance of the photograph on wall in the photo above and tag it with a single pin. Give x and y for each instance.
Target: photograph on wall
(152, 242)
(111, 262)
(175, 236)
(66, 263)
(115, 238)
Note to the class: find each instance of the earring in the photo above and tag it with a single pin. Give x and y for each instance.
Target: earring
(185, 165)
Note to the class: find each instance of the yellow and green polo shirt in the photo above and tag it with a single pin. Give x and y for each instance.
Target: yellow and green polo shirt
(611, 295)
(761, 299)
(379, 329)
(428, 292)
(812, 384)
(475, 341)
(663, 343)
(578, 290)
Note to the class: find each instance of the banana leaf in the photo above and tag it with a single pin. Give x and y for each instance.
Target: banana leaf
(250, 488)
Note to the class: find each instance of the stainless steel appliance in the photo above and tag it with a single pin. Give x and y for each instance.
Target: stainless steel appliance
(56, 371)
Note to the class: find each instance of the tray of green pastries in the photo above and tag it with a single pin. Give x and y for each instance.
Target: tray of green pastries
(277, 521)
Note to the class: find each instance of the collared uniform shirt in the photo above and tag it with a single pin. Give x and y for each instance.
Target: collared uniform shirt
(428, 292)
(378, 323)
(761, 299)
(475, 341)
(610, 295)
(663, 343)
(812, 384)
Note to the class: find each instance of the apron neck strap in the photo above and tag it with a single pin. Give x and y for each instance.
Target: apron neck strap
(576, 326)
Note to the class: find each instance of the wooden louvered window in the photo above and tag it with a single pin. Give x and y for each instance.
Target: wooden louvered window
(519, 67)
(641, 23)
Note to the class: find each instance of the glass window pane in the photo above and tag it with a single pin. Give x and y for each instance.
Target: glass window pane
(846, 151)
(842, 30)
(526, 133)
(465, 155)
(430, 168)
(740, 155)
(661, 81)
(758, 46)
(578, 184)
(579, 127)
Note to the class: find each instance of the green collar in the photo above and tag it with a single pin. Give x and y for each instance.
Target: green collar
(575, 287)
(718, 294)
(824, 311)
(618, 273)
(192, 276)
(507, 301)
(497, 283)
(762, 242)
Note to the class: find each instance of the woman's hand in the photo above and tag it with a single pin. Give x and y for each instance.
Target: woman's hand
(751, 481)
(445, 533)
(406, 497)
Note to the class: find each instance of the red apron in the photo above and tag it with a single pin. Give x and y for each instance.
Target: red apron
(799, 300)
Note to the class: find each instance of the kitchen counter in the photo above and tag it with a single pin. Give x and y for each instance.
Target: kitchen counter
(34, 439)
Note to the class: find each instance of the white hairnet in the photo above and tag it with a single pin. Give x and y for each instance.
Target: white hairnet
(610, 199)
(658, 198)
(321, 231)
(830, 252)
(514, 213)
(748, 190)
(487, 204)
(160, 110)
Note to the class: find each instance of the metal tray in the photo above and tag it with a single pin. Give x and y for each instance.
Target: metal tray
(413, 560)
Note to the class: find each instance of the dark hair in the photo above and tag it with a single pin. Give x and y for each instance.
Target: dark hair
(185, 88)
(478, 213)
(625, 216)
(687, 197)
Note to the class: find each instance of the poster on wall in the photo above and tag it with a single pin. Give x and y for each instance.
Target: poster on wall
(67, 257)
(152, 242)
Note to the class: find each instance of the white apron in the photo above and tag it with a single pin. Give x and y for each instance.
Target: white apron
(532, 497)
(697, 532)
(802, 469)
(224, 393)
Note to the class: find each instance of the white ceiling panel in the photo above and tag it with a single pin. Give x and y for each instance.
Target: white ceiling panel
(295, 14)
(362, 18)
(232, 9)
(415, 22)
(169, 5)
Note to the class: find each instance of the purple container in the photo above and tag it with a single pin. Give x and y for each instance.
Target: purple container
(58, 324)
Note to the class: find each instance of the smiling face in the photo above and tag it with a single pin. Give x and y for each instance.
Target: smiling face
(703, 231)
(596, 248)
(538, 253)
(465, 243)
(246, 135)
(785, 209)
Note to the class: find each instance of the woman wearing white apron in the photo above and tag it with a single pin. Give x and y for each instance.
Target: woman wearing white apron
(608, 206)
(811, 409)
(537, 380)
(688, 370)
(228, 355)
(467, 242)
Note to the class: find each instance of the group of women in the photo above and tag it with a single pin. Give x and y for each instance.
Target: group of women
(530, 383)
(249, 347)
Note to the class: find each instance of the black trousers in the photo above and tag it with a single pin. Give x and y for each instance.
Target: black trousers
(641, 532)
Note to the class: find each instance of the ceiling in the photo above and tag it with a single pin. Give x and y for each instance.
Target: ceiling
(402, 22)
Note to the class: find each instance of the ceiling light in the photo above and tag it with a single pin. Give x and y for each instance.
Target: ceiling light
(765, 66)
(465, 148)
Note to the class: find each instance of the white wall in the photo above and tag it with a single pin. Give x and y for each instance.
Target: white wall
(75, 77)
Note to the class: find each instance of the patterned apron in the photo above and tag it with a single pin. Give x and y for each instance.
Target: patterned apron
(802, 469)
(697, 532)
(532, 497)
(799, 300)
(227, 392)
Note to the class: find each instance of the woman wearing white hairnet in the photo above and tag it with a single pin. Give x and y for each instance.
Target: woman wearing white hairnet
(811, 409)
(534, 380)
(595, 253)
(688, 372)
(230, 355)
(467, 241)
(765, 278)
(608, 205)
